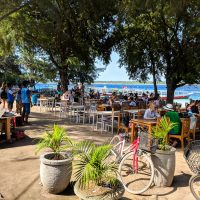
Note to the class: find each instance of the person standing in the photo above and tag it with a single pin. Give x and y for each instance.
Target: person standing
(19, 100)
(26, 101)
(4, 96)
(11, 97)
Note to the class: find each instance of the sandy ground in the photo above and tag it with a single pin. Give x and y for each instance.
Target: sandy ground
(19, 166)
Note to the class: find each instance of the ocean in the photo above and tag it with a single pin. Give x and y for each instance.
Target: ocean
(184, 90)
(110, 86)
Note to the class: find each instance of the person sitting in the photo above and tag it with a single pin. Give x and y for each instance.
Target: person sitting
(194, 108)
(65, 95)
(132, 103)
(174, 117)
(151, 113)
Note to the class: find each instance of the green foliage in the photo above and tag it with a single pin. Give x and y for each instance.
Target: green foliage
(66, 29)
(161, 130)
(92, 165)
(10, 69)
(36, 66)
(54, 140)
(162, 38)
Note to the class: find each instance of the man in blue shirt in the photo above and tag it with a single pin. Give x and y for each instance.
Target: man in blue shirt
(26, 101)
(10, 96)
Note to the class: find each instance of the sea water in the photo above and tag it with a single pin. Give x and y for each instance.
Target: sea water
(186, 89)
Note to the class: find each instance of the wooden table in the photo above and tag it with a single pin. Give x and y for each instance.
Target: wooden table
(142, 122)
(105, 107)
(6, 121)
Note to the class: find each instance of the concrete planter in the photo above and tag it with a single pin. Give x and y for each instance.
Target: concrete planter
(164, 163)
(55, 175)
(110, 195)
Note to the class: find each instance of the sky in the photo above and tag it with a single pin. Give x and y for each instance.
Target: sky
(112, 71)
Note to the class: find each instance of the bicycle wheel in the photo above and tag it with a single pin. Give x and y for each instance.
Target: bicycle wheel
(117, 145)
(136, 181)
(194, 184)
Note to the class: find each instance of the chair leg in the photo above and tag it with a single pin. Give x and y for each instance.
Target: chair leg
(193, 135)
(182, 144)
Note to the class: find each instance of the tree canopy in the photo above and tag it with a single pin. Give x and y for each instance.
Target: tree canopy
(164, 37)
(64, 29)
(64, 38)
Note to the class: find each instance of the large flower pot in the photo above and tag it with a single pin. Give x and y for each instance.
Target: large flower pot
(164, 163)
(55, 175)
(110, 194)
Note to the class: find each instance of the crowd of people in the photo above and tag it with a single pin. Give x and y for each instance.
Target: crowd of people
(22, 96)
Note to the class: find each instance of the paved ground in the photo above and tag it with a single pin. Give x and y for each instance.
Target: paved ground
(19, 166)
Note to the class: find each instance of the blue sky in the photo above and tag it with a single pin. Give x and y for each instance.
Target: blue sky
(112, 72)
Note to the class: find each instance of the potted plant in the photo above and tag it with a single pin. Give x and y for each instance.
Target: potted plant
(55, 166)
(164, 158)
(95, 174)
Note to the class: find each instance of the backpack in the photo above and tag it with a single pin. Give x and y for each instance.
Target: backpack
(4, 94)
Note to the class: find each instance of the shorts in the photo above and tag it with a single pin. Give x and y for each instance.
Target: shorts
(10, 105)
(26, 108)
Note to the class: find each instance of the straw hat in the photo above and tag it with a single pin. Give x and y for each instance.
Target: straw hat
(169, 107)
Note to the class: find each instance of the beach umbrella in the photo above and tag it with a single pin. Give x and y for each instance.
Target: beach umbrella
(195, 96)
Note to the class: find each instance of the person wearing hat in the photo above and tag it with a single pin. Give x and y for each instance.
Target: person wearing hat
(174, 117)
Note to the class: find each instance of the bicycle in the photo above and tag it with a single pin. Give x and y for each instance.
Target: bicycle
(192, 156)
(136, 169)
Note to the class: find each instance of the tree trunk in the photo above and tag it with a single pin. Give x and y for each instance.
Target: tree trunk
(153, 71)
(155, 83)
(170, 91)
(64, 78)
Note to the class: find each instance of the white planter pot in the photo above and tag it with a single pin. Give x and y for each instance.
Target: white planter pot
(164, 163)
(55, 175)
(112, 195)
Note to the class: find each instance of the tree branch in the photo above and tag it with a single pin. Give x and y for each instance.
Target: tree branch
(15, 10)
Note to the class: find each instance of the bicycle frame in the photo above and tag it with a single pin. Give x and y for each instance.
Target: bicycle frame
(133, 147)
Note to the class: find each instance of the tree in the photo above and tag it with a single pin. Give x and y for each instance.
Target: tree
(36, 67)
(65, 29)
(138, 51)
(9, 69)
(8, 7)
(170, 35)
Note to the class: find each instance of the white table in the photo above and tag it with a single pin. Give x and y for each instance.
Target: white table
(134, 112)
(74, 109)
(43, 103)
(102, 114)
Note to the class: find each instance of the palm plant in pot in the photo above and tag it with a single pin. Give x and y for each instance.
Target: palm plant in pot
(95, 174)
(56, 165)
(164, 158)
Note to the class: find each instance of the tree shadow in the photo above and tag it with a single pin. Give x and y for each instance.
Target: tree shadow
(22, 142)
(27, 187)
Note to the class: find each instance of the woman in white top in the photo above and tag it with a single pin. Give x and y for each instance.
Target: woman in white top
(151, 113)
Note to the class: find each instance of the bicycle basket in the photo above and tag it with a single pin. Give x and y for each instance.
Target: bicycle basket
(192, 156)
(147, 143)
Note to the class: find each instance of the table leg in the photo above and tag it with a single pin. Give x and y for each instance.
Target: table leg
(7, 130)
(132, 131)
(102, 125)
(149, 135)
